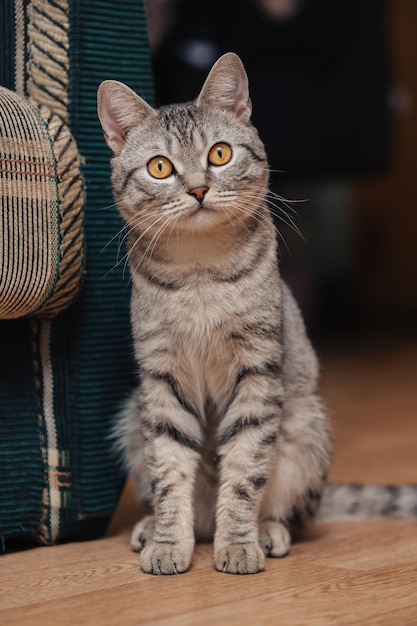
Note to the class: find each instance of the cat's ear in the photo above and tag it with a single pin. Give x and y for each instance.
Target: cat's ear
(119, 109)
(226, 87)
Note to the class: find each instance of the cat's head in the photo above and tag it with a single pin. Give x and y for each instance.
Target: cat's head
(186, 166)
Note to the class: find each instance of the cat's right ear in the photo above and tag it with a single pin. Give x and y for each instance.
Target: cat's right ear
(119, 109)
(226, 87)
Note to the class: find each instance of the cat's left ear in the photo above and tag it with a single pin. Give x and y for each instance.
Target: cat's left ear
(226, 87)
(120, 109)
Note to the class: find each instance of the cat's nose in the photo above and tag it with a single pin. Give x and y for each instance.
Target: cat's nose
(198, 192)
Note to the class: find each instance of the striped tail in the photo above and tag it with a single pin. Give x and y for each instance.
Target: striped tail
(354, 502)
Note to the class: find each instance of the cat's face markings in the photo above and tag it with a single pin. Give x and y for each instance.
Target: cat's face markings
(200, 164)
(187, 172)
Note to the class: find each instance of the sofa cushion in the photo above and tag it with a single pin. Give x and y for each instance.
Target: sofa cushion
(41, 202)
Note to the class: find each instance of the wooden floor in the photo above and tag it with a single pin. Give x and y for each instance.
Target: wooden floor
(358, 573)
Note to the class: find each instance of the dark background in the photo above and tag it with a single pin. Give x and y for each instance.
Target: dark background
(334, 92)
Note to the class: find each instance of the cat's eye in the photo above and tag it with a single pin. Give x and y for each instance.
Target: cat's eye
(220, 154)
(160, 167)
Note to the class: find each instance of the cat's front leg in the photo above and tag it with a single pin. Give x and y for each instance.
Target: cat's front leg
(247, 438)
(171, 437)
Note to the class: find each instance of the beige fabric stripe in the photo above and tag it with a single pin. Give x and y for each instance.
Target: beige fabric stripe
(48, 61)
(28, 210)
(20, 48)
(48, 67)
(49, 424)
(41, 215)
(25, 170)
(71, 204)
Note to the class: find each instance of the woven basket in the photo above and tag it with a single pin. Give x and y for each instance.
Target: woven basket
(41, 202)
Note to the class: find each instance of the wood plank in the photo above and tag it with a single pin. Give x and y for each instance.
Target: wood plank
(331, 573)
(371, 397)
(346, 573)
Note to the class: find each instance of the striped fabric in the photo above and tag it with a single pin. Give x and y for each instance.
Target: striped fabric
(41, 190)
(64, 375)
(41, 200)
(29, 234)
(111, 43)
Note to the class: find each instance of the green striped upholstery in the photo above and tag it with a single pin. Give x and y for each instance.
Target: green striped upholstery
(64, 376)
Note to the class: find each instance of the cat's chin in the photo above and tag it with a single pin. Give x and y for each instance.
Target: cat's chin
(202, 218)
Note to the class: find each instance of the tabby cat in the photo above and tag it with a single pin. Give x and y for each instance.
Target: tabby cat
(226, 434)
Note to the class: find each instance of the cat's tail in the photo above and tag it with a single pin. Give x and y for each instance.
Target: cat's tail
(361, 502)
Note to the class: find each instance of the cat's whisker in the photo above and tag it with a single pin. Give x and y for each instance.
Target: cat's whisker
(131, 226)
(272, 171)
(119, 247)
(283, 216)
(248, 210)
(269, 194)
(171, 217)
(174, 223)
(115, 266)
(228, 211)
(143, 233)
(110, 206)
(285, 201)
(290, 201)
(158, 236)
(287, 219)
(118, 234)
(151, 246)
(251, 208)
(273, 200)
(138, 241)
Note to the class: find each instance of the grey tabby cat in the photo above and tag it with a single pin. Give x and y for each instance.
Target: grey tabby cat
(226, 434)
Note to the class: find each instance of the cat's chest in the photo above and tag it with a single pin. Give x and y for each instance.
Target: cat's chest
(197, 311)
(209, 308)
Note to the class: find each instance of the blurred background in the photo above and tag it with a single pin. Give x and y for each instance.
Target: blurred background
(334, 90)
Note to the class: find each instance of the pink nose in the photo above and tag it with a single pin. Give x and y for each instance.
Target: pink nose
(198, 192)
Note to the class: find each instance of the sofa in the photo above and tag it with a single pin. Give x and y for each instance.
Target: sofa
(66, 359)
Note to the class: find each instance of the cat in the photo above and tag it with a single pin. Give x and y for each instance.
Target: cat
(226, 434)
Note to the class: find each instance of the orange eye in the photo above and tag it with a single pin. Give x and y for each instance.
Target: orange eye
(160, 167)
(220, 154)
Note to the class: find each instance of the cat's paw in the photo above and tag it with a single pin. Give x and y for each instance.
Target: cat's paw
(142, 533)
(274, 539)
(243, 558)
(165, 558)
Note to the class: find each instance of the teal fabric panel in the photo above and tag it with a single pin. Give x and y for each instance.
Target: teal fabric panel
(7, 44)
(107, 40)
(21, 465)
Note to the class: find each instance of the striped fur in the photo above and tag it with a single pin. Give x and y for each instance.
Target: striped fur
(358, 502)
(226, 434)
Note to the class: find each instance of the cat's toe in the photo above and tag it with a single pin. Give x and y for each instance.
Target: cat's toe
(274, 539)
(165, 559)
(246, 558)
(142, 533)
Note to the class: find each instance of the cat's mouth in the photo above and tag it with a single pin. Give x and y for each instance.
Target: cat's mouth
(201, 209)
(202, 216)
